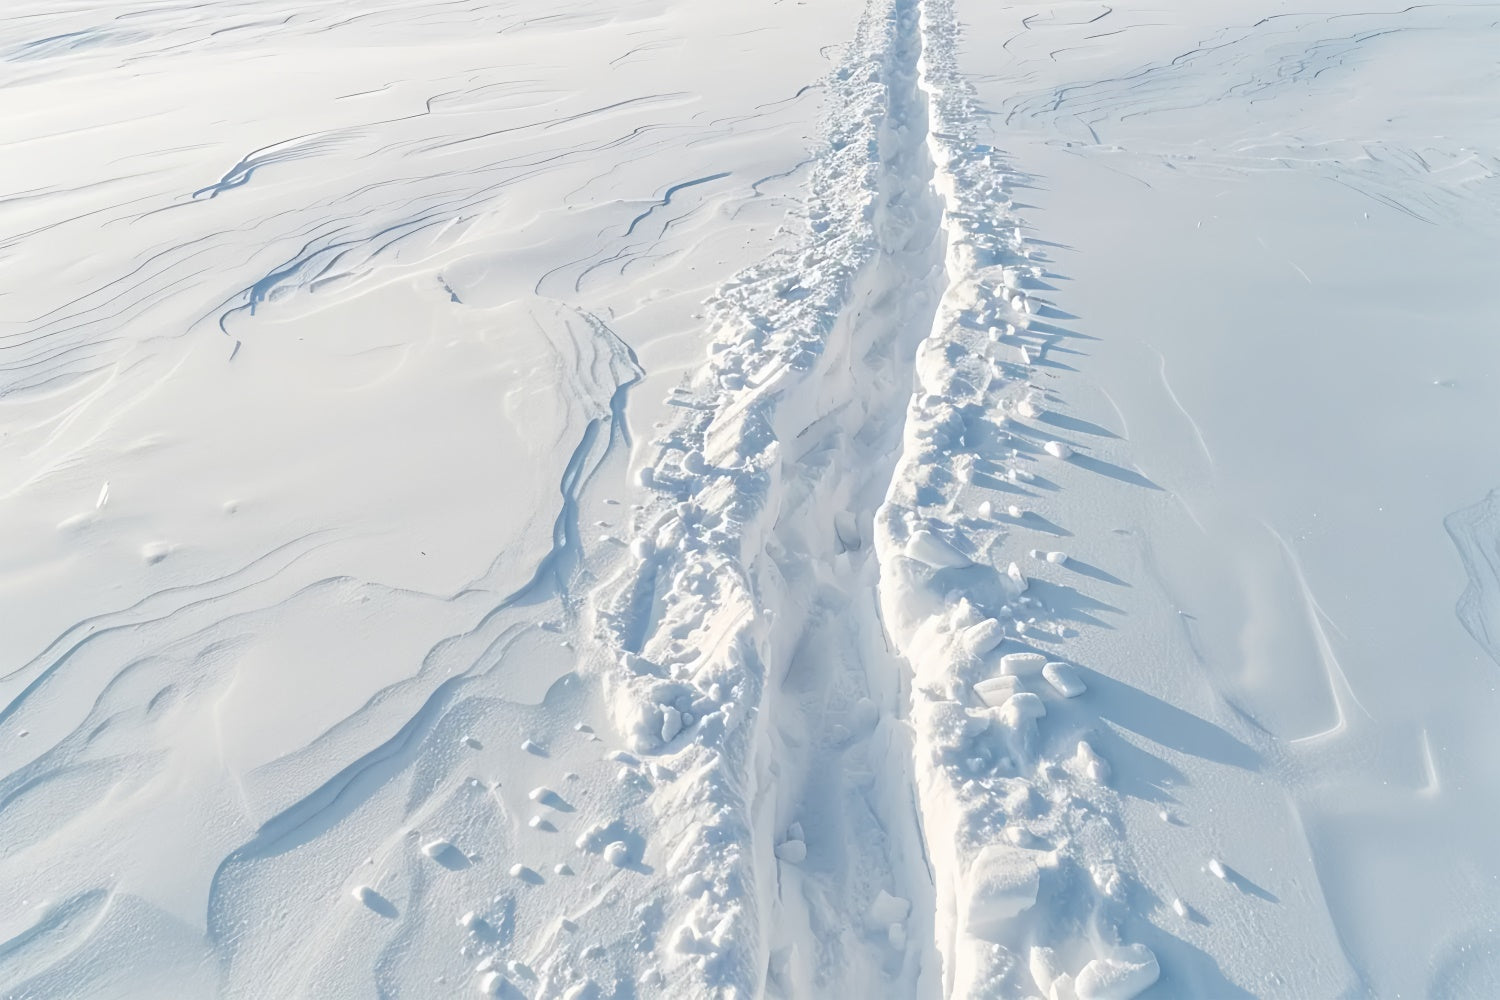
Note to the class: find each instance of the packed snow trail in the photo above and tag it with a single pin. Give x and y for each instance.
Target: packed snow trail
(747, 640)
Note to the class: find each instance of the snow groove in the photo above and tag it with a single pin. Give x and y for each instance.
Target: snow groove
(1030, 868)
(743, 631)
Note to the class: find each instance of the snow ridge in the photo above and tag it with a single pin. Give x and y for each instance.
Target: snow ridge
(738, 631)
(1031, 870)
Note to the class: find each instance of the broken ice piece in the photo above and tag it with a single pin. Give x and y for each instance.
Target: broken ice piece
(1057, 449)
(1022, 664)
(994, 691)
(792, 851)
(1064, 679)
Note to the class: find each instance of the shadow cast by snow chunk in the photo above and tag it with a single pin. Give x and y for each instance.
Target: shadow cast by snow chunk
(1166, 724)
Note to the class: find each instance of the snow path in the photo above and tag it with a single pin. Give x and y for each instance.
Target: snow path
(745, 632)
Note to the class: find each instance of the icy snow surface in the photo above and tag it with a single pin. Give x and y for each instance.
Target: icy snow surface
(867, 498)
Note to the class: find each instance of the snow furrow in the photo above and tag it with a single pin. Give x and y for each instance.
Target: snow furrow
(744, 634)
(1031, 872)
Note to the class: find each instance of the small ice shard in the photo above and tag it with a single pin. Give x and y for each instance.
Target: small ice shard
(986, 509)
(470, 921)
(1122, 974)
(436, 849)
(1057, 449)
(1064, 679)
(522, 872)
(925, 546)
(1002, 884)
(792, 851)
(1017, 579)
(530, 746)
(1015, 511)
(1216, 869)
(1022, 664)
(562, 868)
(1180, 908)
(103, 496)
(1057, 558)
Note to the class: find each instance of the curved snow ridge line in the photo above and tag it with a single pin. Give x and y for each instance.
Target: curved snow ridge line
(691, 626)
(1030, 869)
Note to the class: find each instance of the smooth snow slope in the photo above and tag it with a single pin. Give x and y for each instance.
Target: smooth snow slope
(1271, 229)
(1032, 571)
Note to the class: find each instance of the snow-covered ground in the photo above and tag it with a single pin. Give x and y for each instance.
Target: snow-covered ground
(900, 498)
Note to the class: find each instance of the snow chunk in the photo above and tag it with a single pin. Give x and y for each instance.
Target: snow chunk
(366, 895)
(1044, 967)
(671, 723)
(1090, 763)
(981, 638)
(1216, 869)
(1057, 558)
(886, 910)
(1125, 973)
(491, 983)
(1002, 883)
(1027, 408)
(1022, 708)
(846, 527)
(617, 853)
(1180, 908)
(1064, 679)
(1022, 664)
(792, 851)
(924, 546)
(1057, 449)
(995, 691)
(436, 849)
